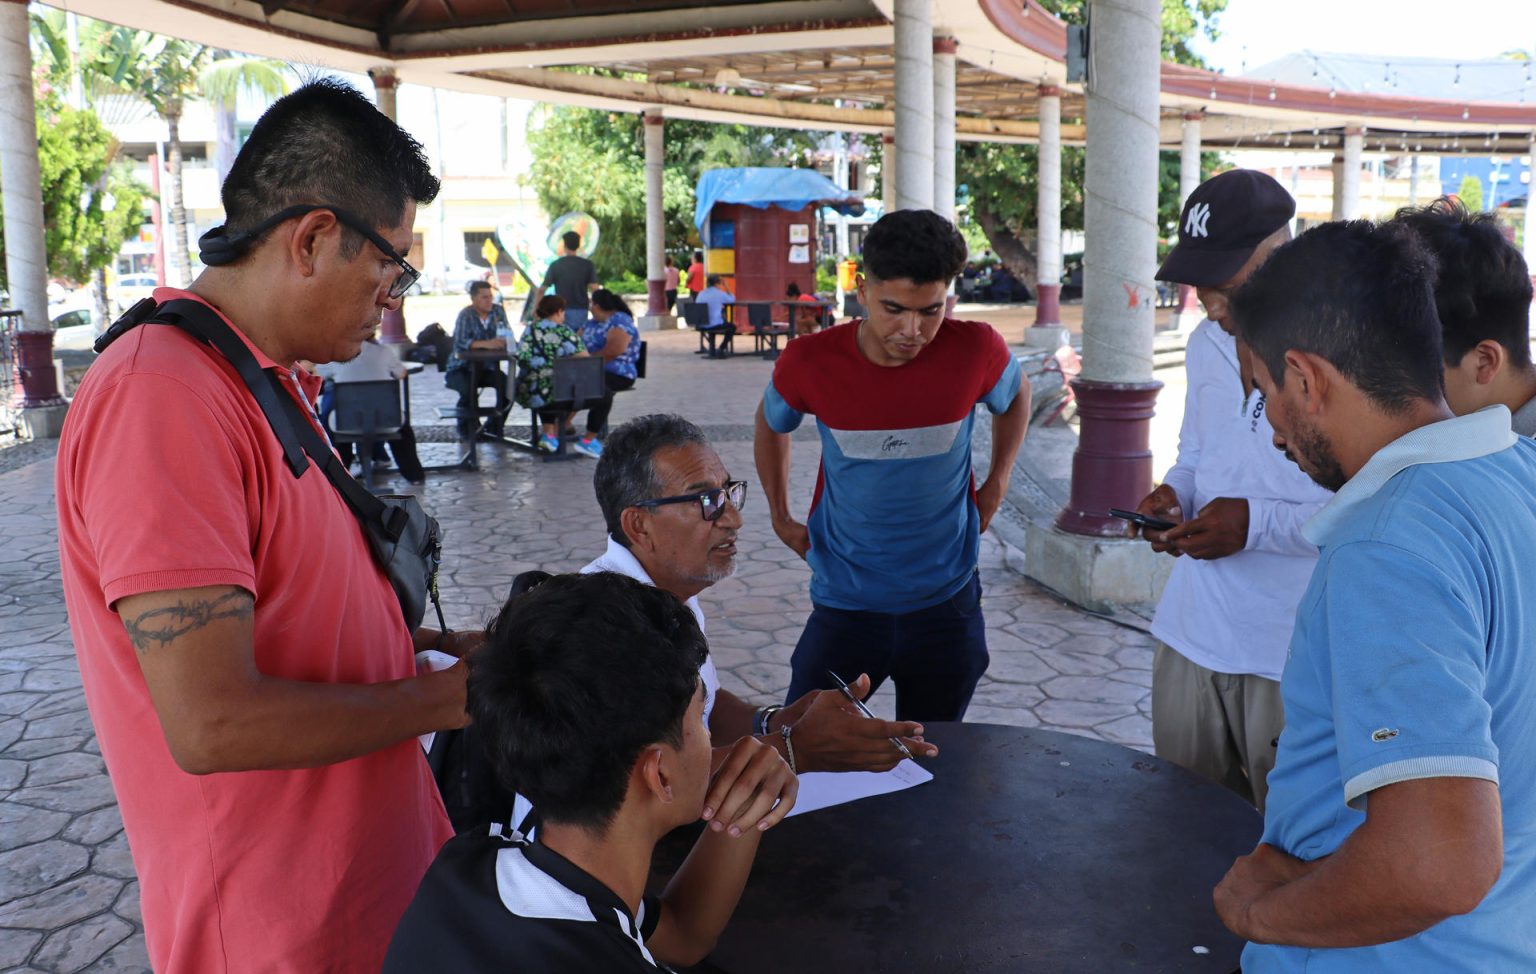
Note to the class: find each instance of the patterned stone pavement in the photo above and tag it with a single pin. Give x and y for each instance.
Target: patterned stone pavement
(68, 898)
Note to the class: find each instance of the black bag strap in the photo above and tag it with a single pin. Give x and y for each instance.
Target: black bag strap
(289, 422)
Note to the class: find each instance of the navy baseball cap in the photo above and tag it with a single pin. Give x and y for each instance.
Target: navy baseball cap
(1223, 221)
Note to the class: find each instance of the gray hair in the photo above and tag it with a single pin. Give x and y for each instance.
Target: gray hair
(626, 472)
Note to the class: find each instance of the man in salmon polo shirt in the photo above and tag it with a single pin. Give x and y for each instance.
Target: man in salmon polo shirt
(245, 661)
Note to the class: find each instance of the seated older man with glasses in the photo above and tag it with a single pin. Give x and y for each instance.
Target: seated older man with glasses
(673, 513)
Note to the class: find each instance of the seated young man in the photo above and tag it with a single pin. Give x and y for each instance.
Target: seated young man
(587, 694)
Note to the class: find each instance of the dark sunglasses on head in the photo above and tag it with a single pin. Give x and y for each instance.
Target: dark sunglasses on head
(711, 502)
(218, 246)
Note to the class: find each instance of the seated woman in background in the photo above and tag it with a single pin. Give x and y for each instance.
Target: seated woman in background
(547, 339)
(807, 312)
(611, 335)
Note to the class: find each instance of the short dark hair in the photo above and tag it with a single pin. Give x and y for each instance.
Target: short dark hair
(549, 306)
(626, 472)
(575, 679)
(325, 143)
(918, 245)
(1358, 294)
(792, 290)
(712, 280)
(571, 239)
(1483, 288)
(698, 255)
(475, 287)
(608, 301)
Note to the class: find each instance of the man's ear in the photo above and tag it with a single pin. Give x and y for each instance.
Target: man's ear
(1314, 377)
(305, 242)
(653, 775)
(1490, 358)
(636, 524)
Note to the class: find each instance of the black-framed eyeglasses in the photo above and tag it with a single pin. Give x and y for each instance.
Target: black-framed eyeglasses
(219, 247)
(711, 502)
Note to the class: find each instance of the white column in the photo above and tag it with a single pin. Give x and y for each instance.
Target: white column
(26, 255)
(1120, 186)
(914, 104)
(1530, 199)
(1354, 145)
(392, 331)
(1047, 332)
(944, 126)
(655, 223)
(1186, 312)
(1116, 392)
(888, 171)
(1189, 156)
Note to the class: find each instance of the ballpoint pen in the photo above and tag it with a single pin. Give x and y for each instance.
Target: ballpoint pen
(863, 709)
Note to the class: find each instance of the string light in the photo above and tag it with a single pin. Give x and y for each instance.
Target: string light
(1466, 113)
(1333, 92)
(1457, 80)
(1271, 92)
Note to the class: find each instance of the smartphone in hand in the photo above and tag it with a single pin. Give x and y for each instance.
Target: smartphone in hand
(1142, 520)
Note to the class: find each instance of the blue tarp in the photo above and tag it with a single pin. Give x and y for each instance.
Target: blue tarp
(761, 187)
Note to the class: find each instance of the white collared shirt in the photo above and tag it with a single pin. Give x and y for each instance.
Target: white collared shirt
(623, 561)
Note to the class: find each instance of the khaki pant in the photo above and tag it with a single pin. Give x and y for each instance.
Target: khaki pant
(1220, 725)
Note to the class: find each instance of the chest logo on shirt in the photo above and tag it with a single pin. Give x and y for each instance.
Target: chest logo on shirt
(1384, 734)
(910, 444)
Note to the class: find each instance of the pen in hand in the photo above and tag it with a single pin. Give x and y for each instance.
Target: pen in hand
(843, 687)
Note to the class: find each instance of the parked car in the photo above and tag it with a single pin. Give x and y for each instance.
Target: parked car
(130, 288)
(74, 326)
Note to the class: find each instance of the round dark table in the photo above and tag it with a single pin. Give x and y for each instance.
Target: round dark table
(1030, 850)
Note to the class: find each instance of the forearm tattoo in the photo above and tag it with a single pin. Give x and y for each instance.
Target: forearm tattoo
(159, 627)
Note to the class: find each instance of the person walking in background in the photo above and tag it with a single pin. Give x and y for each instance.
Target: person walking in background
(573, 278)
(547, 339)
(670, 286)
(609, 334)
(696, 277)
(481, 325)
(1225, 616)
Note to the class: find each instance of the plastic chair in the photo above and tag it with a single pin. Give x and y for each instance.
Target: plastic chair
(577, 384)
(696, 315)
(367, 413)
(764, 332)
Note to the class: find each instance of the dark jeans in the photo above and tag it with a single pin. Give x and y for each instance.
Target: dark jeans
(671, 299)
(935, 655)
(403, 450)
(469, 399)
(597, 416)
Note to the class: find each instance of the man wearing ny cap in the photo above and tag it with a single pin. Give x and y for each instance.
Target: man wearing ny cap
(1225, 617)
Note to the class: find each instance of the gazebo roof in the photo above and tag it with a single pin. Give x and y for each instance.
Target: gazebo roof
(825, 64)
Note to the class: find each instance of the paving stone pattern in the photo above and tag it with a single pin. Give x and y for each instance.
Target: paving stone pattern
(68, 897)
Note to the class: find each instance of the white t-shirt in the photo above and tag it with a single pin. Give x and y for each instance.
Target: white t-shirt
(1234, 614)
(620, 559)
(373, 363)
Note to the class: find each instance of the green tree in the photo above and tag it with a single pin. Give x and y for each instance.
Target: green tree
(1471, 193)
(90, 206)
(594, 161)
(999, 180)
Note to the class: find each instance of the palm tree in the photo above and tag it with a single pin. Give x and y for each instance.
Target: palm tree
(166, 75)
(221, 83)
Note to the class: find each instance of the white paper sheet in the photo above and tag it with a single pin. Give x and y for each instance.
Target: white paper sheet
(823, 789)
(430, 661)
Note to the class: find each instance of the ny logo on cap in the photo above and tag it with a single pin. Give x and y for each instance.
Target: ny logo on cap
(1194, 222)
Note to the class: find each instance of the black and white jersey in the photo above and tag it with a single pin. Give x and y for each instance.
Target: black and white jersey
(505, 904)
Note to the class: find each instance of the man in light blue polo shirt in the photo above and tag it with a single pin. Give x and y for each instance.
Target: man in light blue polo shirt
(1400, 833)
